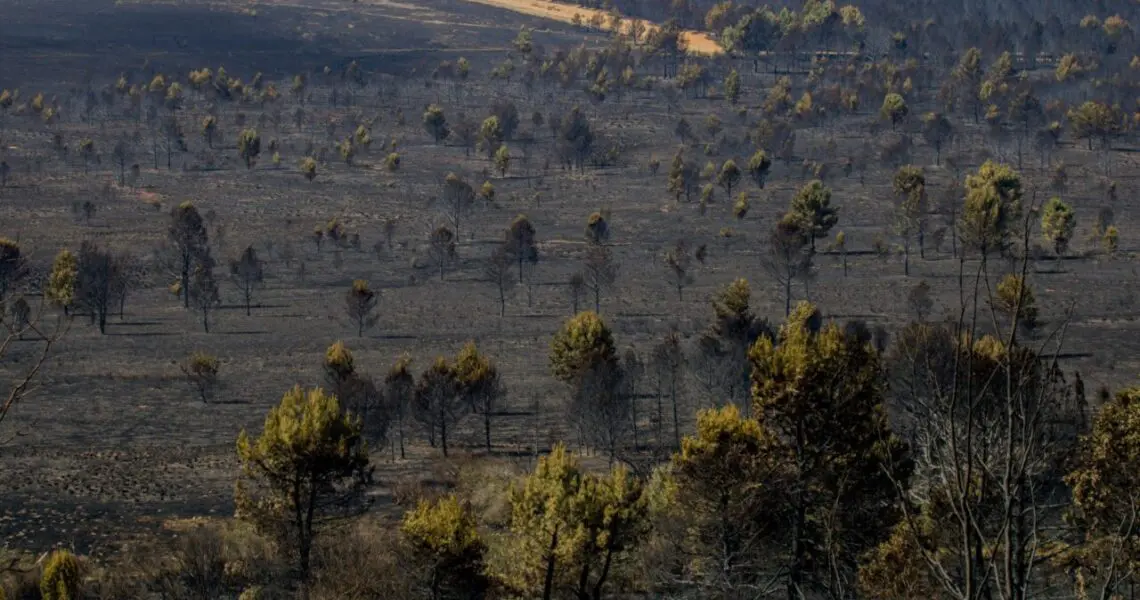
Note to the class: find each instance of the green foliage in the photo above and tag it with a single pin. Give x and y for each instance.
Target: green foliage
(909, 182)
(447, 546)
(1095, 119)
(249, 146)
(897, 568)
(992, 207)
(474, 372)
(393, 161)
(758, 167)
(435, 123)
(61, 285)
(1114, 27)
(209, 128)
(707, 193)
(732, 86)
(490, 135)
(894, 108)
(307, 463)
(572, 529)
(1111, 240)
(852, 17)
(539, 506)
(347, 150)
(834, 435)
(308, 167)
(804, 107)
(502, 160)
(61, 577)
(708, 172)
(731, 303)
(362, 137)
(200, 77)
(713, 125)
(1015, 299)
(1104, 485)
(360, 302)
(811, 209)
(201, 369)
(1058, 222)
(583, 342)
(779, 96)
(909, 185)
(174, 96)
(597, 228)
(157, 84)
(969, 68)
(720, 485)
(729, 176)
(741, 206)
(1068, 67)
(339, 365)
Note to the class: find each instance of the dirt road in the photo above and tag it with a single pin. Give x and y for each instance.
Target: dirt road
(698, 42)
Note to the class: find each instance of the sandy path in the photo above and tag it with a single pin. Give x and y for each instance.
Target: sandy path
(698, 42)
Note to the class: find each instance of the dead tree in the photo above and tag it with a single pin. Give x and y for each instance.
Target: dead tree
(248, 273)
(787, 257)
(204, 295)
(99, 276)
(599, 272)
(457, 199)
(441, 247)
(46, 331)
(359, 304)
(498, 272)
(437, 404)
(677, 265)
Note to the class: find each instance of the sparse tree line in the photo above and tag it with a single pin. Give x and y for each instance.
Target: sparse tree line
(96, 282)
(1009, 94)
(1018, 102)
(952, 461)
(163, 112)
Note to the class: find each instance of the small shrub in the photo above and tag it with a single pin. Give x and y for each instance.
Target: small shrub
(1015, 295)
(1111, 240)
(201, 370)
(740, 207)
(309, 168)
(60, 579)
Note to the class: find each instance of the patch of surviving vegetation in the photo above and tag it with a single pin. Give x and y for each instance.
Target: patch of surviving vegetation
(514, 299)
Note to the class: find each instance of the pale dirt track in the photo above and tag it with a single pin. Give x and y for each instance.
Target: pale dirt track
(698, 42)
